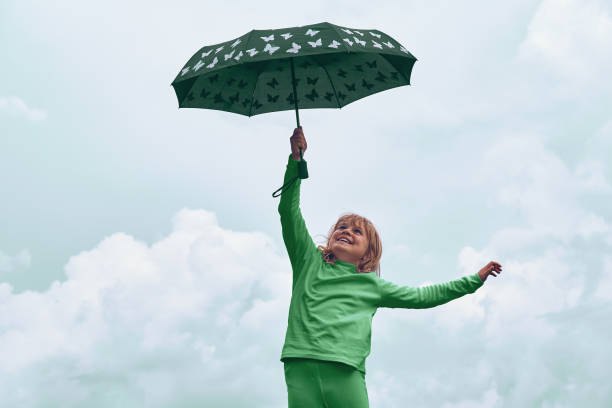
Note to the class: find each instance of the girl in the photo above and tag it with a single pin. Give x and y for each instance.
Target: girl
(335, 293)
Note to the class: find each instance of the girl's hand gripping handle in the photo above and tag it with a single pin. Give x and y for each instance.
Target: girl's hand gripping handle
(298, 141)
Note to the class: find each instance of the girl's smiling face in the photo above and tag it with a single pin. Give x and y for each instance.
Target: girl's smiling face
(349, 243)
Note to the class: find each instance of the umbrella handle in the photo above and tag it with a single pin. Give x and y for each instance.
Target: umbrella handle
(302, 169)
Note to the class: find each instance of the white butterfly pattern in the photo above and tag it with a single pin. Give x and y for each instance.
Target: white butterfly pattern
(252, 52)
(360, 42)
(375, 35)
(287, 36)
(346, 30)
(311, 32)
(315, 44)
(205, 54)
(212, 65)
(199, 65)
(184, 71)
(230, 55)
(334, 44)
(236, 43)
(268, 38)
(270, 49)
(219, 49)
(360, 33)
(294, 48)
(388, 44)
(377, 45)
(404, 50)
(348, 41)
(237, 57)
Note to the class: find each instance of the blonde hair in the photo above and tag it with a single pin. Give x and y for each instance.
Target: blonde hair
(371, 260)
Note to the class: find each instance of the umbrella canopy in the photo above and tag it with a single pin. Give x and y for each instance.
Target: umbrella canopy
(326, 65)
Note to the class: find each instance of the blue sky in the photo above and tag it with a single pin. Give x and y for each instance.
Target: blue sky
(141, 260)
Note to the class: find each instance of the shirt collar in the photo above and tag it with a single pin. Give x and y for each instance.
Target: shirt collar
(346, 265)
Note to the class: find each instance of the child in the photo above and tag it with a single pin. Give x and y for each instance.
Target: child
(335, 294)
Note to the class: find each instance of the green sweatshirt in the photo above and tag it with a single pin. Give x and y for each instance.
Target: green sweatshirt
(332, 305)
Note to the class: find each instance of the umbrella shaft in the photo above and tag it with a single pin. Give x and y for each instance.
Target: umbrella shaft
(297, 115)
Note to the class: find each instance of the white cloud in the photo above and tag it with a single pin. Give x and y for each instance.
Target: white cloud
(539, 272)
(490, 398)
(178, 318)
(592, 176)
(22, 259)
(199, 316)
(530, 328)
(572, 38)
(599, 144)
(527, 176)
(604, 287)
(16, 106)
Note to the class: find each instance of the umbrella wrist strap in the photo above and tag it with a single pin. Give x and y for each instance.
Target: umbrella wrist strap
(284, 187)
(302, 174)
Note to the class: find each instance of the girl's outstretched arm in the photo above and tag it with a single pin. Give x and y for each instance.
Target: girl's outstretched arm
(295, 234)
(394, 296)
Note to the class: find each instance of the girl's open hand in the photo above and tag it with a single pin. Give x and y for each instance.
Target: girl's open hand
(492, 268)
(297, 140)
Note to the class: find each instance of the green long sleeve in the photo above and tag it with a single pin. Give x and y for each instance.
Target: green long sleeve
(394, 296)
(295, 234)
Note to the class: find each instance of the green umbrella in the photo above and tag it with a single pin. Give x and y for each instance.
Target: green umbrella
(324, 65)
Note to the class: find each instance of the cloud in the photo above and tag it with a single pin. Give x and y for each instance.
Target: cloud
(538, 257)
(22, 259)
(527, 176)
(195, 317)
(489, 399)
(199, 317)
(200, 314)
(16, 106)
(604, 287)
(598, 145)
(526, 335)
(571, 38)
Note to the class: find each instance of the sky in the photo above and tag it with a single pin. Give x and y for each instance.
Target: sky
(141, 256)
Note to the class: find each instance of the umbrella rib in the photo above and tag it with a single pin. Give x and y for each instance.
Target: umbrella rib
(331, 83)
(257, 78)
(253, 96)
(335, 28)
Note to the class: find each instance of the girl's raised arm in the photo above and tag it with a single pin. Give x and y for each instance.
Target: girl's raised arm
(295, 234)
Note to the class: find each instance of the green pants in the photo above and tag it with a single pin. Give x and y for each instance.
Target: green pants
(324, 384)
